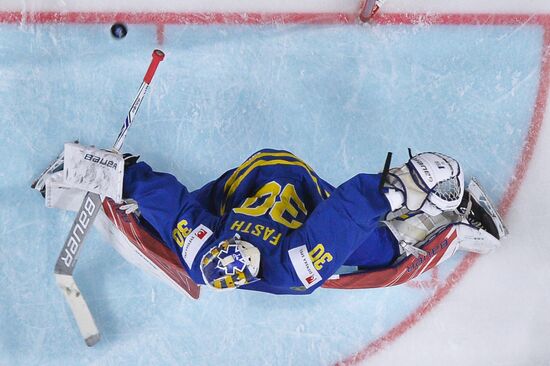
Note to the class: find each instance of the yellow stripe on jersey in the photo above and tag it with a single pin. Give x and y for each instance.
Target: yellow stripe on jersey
(260, 163)
(255, 157)
(230, 187)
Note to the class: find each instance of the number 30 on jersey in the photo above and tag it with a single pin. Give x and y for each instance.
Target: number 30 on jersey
(278, 202)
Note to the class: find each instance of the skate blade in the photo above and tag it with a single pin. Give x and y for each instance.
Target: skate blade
(479, 194)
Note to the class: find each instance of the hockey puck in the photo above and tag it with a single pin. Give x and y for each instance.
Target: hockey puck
(119, 30)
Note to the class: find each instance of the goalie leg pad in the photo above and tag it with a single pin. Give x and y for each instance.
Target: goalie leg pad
(472, 239)
(411, 229)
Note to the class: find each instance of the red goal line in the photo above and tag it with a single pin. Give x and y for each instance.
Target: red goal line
(166, 18)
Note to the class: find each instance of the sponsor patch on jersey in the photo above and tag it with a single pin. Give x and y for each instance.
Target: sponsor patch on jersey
(303, 266)
(194, 242)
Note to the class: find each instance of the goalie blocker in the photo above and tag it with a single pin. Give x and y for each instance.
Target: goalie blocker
(77, 170)
(94, 170)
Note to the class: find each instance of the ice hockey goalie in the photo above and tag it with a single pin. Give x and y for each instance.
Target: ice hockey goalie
(273, 225)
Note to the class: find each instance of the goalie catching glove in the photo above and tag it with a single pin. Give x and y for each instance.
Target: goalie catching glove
(428, 182)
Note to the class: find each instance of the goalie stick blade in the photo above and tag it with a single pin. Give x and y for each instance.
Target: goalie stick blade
(479, 194)
(79, 308)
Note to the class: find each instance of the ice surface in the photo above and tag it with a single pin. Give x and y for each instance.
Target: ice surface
(338, 96)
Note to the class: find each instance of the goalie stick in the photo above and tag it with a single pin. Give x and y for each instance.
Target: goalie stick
(85, 216)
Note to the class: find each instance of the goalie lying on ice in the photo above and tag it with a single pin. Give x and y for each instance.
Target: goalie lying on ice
(273, 225)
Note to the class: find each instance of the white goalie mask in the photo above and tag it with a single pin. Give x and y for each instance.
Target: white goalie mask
(230, 264)
(440, 177)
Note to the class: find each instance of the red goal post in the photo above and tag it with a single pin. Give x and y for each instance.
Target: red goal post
(368, 8)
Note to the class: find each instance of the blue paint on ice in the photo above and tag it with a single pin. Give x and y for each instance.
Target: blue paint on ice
(339, 97)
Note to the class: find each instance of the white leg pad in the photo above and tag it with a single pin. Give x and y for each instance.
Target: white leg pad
(475, 240)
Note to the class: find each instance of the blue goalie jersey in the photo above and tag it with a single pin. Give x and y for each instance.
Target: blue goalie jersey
(304, 228)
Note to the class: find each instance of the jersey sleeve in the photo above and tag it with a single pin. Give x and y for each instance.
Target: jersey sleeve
(166, 204)
(332, 232)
